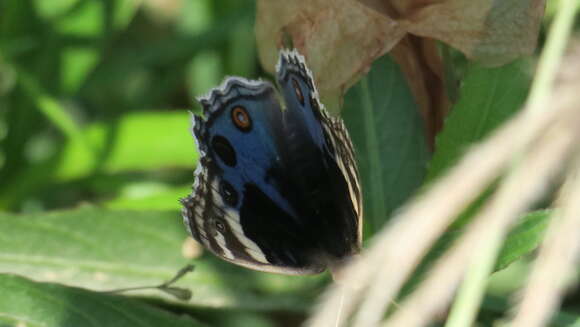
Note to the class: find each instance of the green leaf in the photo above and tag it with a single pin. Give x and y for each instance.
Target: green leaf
(524, 238)
(149, 196)
(28, 303)
(387, 131)
(488, 97)
(136, 142)
(104, 250)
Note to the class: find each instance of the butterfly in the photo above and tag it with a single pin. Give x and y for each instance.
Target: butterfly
(276, 188)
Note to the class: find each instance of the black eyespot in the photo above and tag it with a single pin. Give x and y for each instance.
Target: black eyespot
(228, 193)
(298, 91)
(219, 225)
(241, 118)
(224, 150)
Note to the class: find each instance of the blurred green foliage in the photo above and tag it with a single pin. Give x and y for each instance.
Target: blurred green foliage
(94, 101)
(94, 109)
(94, 95)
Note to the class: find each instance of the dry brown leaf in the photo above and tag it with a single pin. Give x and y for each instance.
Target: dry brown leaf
(341, 39)
(422, 65)
(488, 31)
(491, 32)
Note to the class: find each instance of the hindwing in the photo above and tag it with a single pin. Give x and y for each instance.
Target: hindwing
(276, 188)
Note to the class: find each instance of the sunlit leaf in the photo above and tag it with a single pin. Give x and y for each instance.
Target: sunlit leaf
(144, 196)
(102, 249)
(28, 303)
(141, 141)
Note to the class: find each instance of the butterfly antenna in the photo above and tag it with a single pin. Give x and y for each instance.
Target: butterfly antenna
(178, 292)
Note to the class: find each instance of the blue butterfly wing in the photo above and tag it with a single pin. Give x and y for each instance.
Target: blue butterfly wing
(321, 163)
(236, 156)
(273, 190)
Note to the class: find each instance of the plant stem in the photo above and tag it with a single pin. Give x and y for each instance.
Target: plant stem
(471, 292)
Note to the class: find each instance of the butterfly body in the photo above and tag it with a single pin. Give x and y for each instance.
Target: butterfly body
(277, 186)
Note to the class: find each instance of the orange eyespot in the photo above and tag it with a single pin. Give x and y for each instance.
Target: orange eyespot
(298, 91)
(241, 118)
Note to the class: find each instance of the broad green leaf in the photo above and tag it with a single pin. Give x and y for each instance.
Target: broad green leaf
(149, 196)
(389, 139)
(102, 249)
(524, 237)
(488, 97)
(136, 142)
(28, 303)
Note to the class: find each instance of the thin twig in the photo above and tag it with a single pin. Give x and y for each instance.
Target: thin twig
(561, 248)
(401, 244)
(528, 182)
(556, 260)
